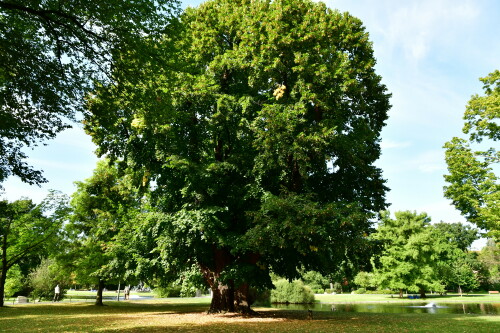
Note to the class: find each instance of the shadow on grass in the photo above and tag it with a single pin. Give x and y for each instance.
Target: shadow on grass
(178, 317)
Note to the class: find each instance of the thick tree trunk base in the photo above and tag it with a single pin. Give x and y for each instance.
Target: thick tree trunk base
(228, 299)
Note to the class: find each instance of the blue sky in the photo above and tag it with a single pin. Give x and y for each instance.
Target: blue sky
(430, 54)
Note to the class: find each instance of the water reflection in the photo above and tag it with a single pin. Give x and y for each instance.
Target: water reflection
(464, 308)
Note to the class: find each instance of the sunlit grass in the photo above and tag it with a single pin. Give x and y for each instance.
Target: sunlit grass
(189, 315)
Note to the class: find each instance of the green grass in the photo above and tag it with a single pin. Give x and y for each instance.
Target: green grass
(188, 315)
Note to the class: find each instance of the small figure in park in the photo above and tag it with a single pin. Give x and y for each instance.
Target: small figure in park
(57, 293)
(127, 292)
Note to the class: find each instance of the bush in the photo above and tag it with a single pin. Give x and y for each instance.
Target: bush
(45, 277)
(359, 291)
(318, 290)
(315, 281)
(291, 292)
(259, 297)
(170, 291)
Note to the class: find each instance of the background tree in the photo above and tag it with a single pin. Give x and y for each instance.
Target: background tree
(460, 234)
(260, 151)
(461, 268)
(489, 256)
(474, 188)
(53, 54)
(100, 207)
(412, 252)
(14, 281)
(45, 277)
(25, 228)
(365, 280)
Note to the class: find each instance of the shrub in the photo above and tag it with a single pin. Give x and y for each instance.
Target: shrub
(291, 292)
(315, 280)
(360, 291)
(170, 291)
(259, 297)
(45, 277)
(337, 287)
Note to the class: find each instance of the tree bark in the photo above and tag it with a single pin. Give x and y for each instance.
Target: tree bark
(3, 277)
(100, 288)
(400, 293)
(226, 297)
(422, 293)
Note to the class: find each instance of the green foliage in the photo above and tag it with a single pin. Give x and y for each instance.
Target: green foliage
(169, 291)
(53, 52)
(291, 292)
(45, 277)
(260, 152)
(365, 280)
(460, 234)
(190, 281)
(474, 188)
(260, 297)
(380, 292)
(27, 229)
(315, 281)
(14, 282)
(360, 291)
(464, 275)
(102, 205)
(412, 252)
(490, 258)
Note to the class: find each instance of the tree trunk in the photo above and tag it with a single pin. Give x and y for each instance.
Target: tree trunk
(226, 297)
(222, 299)
(100, 288)
(422, 293)
(3, 277)
(400, 293)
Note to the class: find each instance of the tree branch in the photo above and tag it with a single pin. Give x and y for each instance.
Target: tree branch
(47, 15)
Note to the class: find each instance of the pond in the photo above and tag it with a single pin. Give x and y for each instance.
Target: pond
(424, 307)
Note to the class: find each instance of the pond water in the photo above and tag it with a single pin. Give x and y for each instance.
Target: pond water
(424, 307)
(132, 297)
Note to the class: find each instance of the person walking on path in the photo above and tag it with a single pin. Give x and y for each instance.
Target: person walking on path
(57, 293)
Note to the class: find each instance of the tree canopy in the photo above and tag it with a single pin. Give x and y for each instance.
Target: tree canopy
(25, 228)
(418, 256)
(473, 183)
(411, 253)
(52, 54)
(101, 206)
(260, 152)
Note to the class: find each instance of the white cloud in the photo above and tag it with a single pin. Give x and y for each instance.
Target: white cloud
(414, 27)
(390, 144)
(430, 161)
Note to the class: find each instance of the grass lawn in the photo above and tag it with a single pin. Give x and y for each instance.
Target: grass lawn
(188, 315)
